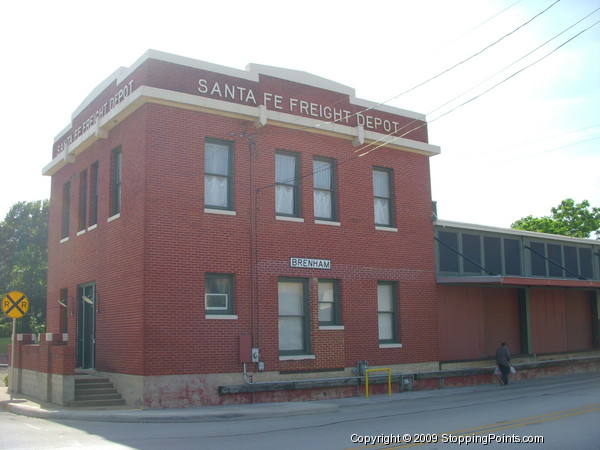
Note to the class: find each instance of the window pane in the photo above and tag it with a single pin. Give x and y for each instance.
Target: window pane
(585, 263)
(285, 169)
(493, 255)
(448, 257)
(472, 250)
(326, 312)
(217, 285)
(216, 191)
(284, 199)
(382, 211)
(216, 301)
(322, 175)
(381, 183)
(555, 255)
(385, 297)
(291, 298)
(538, 263)
(571, 261)
(291, 334)
(326, 291)
(323, 206)
(512, 257)
(216, 159)
(386, 329)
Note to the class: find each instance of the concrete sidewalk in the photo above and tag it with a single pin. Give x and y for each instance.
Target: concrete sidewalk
(27, 406)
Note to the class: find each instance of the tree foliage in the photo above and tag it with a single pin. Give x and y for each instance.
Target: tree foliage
(567, 219)
(24, 260)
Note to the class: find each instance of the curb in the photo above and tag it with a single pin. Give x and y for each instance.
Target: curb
(180, 415)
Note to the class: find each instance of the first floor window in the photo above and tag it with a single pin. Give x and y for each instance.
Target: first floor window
(293, 317)
(328, 302)
(219, 293)
(386, 310)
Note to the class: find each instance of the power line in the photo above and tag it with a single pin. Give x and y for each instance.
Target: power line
(476, 97)
(392, 135)
(467, 59)
(319, 125)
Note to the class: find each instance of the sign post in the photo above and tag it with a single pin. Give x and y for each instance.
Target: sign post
(15, 305)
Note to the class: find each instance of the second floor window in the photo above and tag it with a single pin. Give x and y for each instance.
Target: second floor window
(218, 175)
(66, 210)
(94, 194)
(383, 200)
(287, 182)
(324, 189)
(117, 163)
(83, 196)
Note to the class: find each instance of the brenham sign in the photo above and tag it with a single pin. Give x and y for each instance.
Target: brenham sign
(310, 263)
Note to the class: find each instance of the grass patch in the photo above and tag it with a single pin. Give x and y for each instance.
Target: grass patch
(4, 345)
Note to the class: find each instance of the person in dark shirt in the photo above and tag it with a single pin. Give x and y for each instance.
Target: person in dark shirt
(503, 362)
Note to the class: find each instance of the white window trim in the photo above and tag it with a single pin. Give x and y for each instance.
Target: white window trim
(328, 222)
(221, 316)
(224, 212)
(296, 357)
(115, 217)
(93, 227)
(392, 345)
(331, 327)
(79, 233)
(386, 229)
(64, 239)
(290, 219)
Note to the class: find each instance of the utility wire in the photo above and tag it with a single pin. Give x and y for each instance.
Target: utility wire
(395, 138)
(322, 124)
(465, 60)
(482, 82)
(479, 95)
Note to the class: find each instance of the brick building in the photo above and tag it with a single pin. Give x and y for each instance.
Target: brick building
(221, 236)
(200, 212)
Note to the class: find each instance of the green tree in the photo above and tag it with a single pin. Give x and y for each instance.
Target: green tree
(567, 219)
(24, 260)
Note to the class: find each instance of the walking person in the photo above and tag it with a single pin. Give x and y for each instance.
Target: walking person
(503, 362)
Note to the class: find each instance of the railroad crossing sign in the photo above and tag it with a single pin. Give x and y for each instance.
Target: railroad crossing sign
(15, 304)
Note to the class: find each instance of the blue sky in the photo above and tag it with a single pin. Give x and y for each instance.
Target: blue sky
(516, 150)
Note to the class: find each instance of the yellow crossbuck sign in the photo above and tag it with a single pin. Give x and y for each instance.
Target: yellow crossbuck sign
(15, 304)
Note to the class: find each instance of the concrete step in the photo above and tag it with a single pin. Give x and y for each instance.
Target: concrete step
(113, 396)
(95, 391)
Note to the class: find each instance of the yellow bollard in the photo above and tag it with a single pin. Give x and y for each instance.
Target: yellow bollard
(389, 372)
